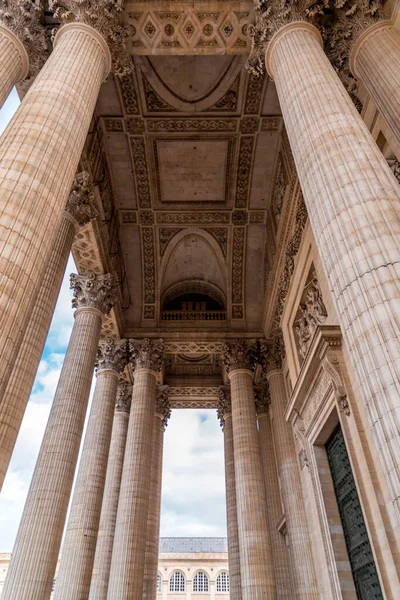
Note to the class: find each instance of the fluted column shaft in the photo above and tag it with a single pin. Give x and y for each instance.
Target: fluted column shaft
(127, 565)
(19, 387)
(256, 565)
(296, 522)
(34, 559)
(14, 62)
(353, 202)
(39, 155)
(274, 508)
(74, 574)
(375, 59)
(235, 584)
(153, 519)
(109, 507)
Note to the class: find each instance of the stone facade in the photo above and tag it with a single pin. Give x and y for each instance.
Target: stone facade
(227, 176)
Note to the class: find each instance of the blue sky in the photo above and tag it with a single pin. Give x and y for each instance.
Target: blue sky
(193, 495)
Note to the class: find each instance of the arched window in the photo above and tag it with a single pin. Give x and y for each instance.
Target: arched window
(200, 582)
(177, 582)
(159, 583)
(223, 582)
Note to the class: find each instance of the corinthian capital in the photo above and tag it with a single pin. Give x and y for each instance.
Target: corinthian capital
(105, 17)
(124, 396)
(262, 399)
(163, 406)
(239, 354)
(93, 291)
(81, 200)
(272, 354)
(147, 354)
(224, 404)
(112, 354)
(23, 18)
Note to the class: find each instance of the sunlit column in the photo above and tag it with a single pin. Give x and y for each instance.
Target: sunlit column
(127, 564)
(108, 517)
(353, 202)
(37, 545)
(80, 209)
(256, 565)
(274, 504)
(225, 416)
(39, 155)
(161, 417)
(74, 573)
(375, 60)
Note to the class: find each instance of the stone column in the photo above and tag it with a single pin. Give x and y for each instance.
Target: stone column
(108, 516)
(274, 504)
(75, 570)
(23, 47)
(161, 416)
(353, 202)
(39, 155)
(256, 566)
(80, 209)
(375, 60)
(305, 583)
(34, 559)
(225, 417)
(127, 564)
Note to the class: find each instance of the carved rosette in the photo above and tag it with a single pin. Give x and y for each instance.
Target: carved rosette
(224, 404)
(163, 406)
(147, 354)
(81, 200)
(105, 17)
(272, 354)
(124, 397)
(112, 355)
(23, 18)
(239, 354)
(262, 399)
(93, 291)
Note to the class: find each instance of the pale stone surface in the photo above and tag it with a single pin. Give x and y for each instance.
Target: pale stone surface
(375, 60)
(16, 395)
(108, 517)
(14, 62)
(127, 565)
(274, 507)
(73, 581)
(256, 568)
(345, 180)
(302, 565)
(39, 154)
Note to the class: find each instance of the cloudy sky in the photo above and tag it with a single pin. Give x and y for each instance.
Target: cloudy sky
(193, 495)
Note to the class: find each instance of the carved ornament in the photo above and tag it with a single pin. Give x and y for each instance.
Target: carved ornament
(81, 200)
(394, 164)
(112, 355)
(93, 291)
(313, 314)
(331, 366)
(23, 18)
(163, 406)
(124, 397)
(224, 404)
(262, 399)
(244, 169)
(272, 354)
(146, 354)
(239, 354)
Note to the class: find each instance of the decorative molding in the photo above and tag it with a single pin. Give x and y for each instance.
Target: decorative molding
(331, 365)
(278, 194)
(257, 217)
(238, 257)
(249, 124)
(93, 291)
(239, 354)
(244, 169)
(141, 171)
(394, 164)
(194, 403)
(239, 217)
(224, 404)
(81, 200)
(254, 91)
(221, 235)
(154, 102)
(146, 354)
(146, 217)
(129, 96)
(191, 125)
(124, 396)
(134, 125)
(206, 347)
(229, 101)
(128, 216)
(192, 218)
(23, 18)
(165, 235)
(148, 265)
(271, 123)
(112, 355)
(113, 124)
(163, 406)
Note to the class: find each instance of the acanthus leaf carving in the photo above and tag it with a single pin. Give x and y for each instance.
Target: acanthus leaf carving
(124, 396)
(224, 404)
(163, 406)
(147, 354)
(262, 399)
(81, 199)
(93, 291)
(239, 354)
(112, 355)
(272, 354)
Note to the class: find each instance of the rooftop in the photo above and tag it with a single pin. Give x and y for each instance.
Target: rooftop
(193, 544)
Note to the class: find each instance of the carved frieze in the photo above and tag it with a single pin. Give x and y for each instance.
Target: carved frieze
(238, 250)
(93, 291)
(191, 125)
(148, 265)
(146, 354)
(141, 171)
(192, 218)
(206, 347)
